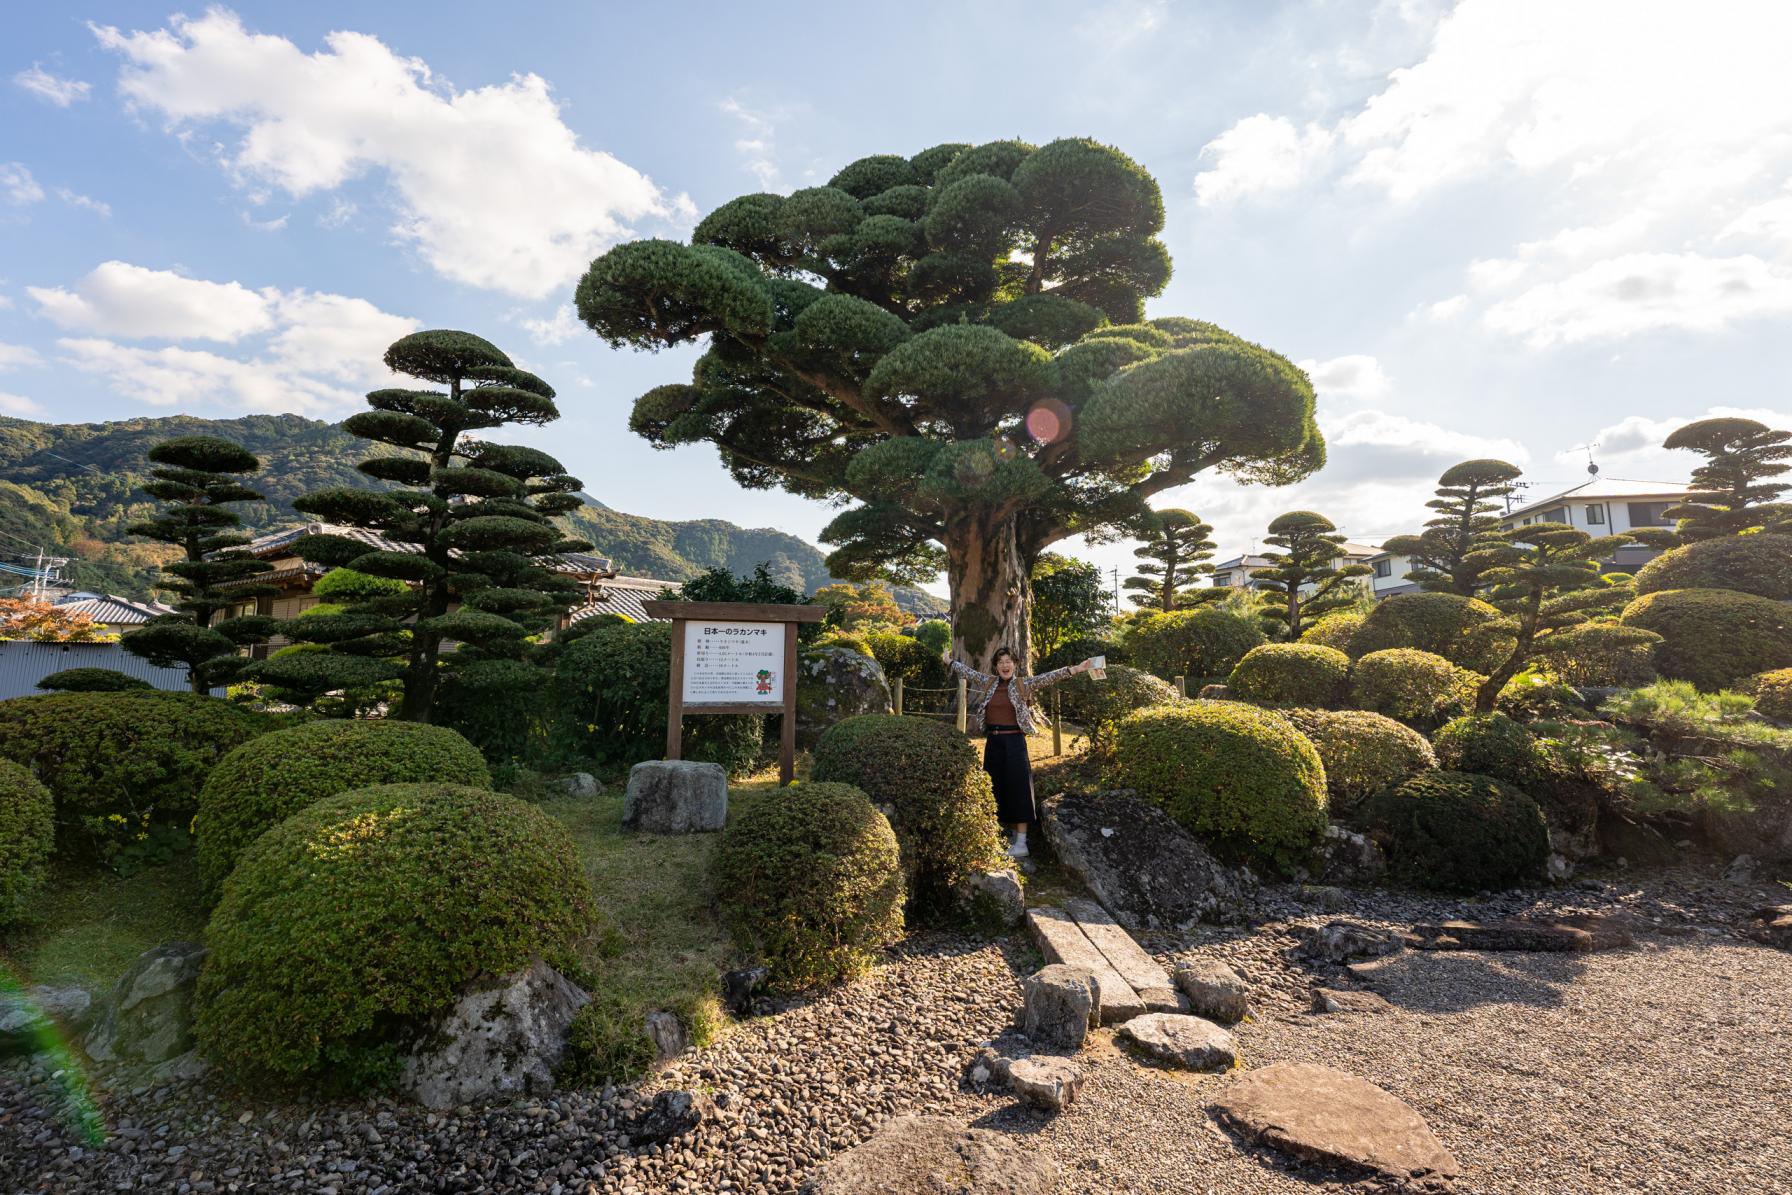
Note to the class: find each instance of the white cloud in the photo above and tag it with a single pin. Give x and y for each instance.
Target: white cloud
(41, 83)
(1631, 449)
(76, 199)
(18, 356)
(1442, 311)
(1356, 376)
(274, 225)
(491, 186)
(1644, 292)
(757, 144)
(17, 183)
(120, 299)
(561, 327)
(20, 406)
(1260, 154)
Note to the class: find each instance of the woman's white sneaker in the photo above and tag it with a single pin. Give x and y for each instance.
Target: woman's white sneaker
(1018, 848)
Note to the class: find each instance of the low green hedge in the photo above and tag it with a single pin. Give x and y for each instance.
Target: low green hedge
(268, 779)
(1204, 642)
(1290, 674)
(1363, 753)
(1714, 637)
(813, 876)
(357, 918)
(1490, 745)
(1458, 832)
(1241, 777)
(1411, 686)
(1757, 564)
(1444, 624)
(27, 837)
(930, 778)
(1773, 694)
(92, 680)
(1098, 705)
(1334, 630)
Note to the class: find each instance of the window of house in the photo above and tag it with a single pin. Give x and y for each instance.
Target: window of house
(1596, 515)
(1648, 514)
(1384, 568)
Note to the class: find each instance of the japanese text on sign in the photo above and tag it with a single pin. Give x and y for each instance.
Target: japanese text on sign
(735, 662)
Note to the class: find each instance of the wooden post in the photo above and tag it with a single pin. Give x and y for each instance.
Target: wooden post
(1057, 724)
(899, 697)
(675, 697)
(787, 732)
(963, 706)
(1182, 686)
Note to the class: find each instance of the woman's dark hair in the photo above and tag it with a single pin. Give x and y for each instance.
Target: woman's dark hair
(997, 658)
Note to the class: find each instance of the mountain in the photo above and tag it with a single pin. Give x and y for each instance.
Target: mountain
(71, 489)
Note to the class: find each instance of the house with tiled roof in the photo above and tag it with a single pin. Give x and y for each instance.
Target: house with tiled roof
(626, 596)
(111, 612)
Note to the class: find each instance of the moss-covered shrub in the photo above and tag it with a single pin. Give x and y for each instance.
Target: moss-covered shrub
(1204, 643)
(813, 875)
(1288, 674)
(119, 764)
(1411, 686)
(1714, 637)
(1241, 777)
(1757, 564)
(610, 689)
(1334, 630)
(1098, 705)
(1444, 624)
(92, 680)
(358, 917)
(268, 779)
(1773, 694)
(27, 837)
(929, 777)
(1363, 753)
(1490, 745)
(1458, 832)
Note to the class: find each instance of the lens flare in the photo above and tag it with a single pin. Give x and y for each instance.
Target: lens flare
(77, 1098)
(1048, 421)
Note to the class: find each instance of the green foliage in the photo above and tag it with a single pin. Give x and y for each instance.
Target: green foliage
(1287, 674)
(505, 708)
(1304, 580)
(1758, 564)
(1179, 550)
(1540, 693)
(935, 634)
(1363, 753)
(1411, 686)
(1468, 505)
(27, 837)
(1599, 655)
(929, 776)
(1334, 630)
(907, 657)
(1069, 603)
(1714, 637)
(1708, 752)
(119, 764)
(1207, 642)
(1240, 777)
(1773, 694)
(1099, 705)
(814, 880)
(1735, 490)
(1457, 832)
(610, 690)
(605, 1043)
(268, 779)
(1075, 651)
(1490, 745)
(92, 680)
(364, 913)
(1463, 630)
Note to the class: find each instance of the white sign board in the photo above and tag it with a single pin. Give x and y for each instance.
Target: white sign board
(734, 662)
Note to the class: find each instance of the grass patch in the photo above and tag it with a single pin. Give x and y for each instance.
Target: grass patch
(91, 924)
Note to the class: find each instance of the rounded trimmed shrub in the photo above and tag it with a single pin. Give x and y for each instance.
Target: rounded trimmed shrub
(1490, 745)
(1757, 564)
(1602, 655)
(1098, 705)
(1075, 651)
(118, 762)
(268, 779)
(1538, 694)
(1411, 686)
(1205, 642)
(92, 680)
(1444, 624)
(931, 781)
(358, 917)
(1714, 637)
(813, 875)
(1458, 832)
(27, 838)
(1334, 630)
(1241, 777)
(1363, 753)
(1773, 694)
(1288, 674)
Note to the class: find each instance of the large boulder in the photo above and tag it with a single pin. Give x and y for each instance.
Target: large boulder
(1060, 1003)
(833, 684)
(1145, 869)
(27, 1014)
(675, 796)
(149, 1016)
(502, 1039)
(930, 1155)
(1214, 990)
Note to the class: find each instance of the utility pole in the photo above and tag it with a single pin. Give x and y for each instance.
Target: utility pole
(1116, 592)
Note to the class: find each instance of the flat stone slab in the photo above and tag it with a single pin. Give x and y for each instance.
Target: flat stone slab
(1320, 1114)
(1346, 941)
(675, 796)
(1051, 1084)
(930, 1155)
(1181, 1040)
(1061, 940)
(1344, 1000)
(1560, 934)
(1140, 971)
(1772, 926)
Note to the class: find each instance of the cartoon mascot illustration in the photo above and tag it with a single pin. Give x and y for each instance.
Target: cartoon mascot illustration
(764, 682)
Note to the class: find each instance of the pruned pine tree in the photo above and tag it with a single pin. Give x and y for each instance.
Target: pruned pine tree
(1469, 503)
(1735, 490)
(470, 524)
(1178, 550)
(955, 343)
(1304, 581)
(198, 479)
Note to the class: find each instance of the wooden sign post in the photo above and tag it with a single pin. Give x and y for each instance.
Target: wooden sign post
(734, 658)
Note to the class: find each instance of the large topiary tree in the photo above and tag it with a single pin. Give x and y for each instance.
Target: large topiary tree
(198, 479)
(1469, 496)
(1304, 581)
(1735, 491)
(953, 340)
(1177, 549)
(470, 524)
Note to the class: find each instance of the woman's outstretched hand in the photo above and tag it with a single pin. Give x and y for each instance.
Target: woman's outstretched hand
(1085, 665)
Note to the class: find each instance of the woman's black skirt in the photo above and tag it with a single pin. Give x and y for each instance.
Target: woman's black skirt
(1005, 759)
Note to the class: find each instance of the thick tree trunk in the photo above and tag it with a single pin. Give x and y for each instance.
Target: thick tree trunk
(992, 596)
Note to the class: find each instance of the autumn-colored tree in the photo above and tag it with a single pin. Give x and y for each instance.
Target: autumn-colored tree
(42, 622)
(865, 603)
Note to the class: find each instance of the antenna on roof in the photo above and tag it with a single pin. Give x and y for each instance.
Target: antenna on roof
(1592, 469)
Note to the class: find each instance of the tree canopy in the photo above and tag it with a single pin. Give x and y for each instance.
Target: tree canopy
(1304, 581)
(1736, 489)
(1177, 549)
(1069, 602)
(1469, 496)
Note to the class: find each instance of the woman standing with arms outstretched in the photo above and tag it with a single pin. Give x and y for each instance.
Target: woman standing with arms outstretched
(1004, 704)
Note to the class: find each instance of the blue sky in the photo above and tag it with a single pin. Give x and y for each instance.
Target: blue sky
(1486, 228)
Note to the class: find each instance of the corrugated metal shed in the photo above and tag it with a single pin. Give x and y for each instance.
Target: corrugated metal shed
(625, 596)
(23, 663)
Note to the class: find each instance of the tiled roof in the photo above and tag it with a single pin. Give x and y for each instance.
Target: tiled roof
(111, 610)
(624, 596)
(281, 542)
(1604, 487)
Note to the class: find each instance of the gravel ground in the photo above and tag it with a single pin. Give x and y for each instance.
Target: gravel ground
(1660, 1068)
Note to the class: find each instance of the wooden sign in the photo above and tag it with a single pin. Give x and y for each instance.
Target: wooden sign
(734, 658)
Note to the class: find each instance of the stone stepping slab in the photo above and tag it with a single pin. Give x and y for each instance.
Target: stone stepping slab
(1103, 948)
(1138, 969)
(1578, 934)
